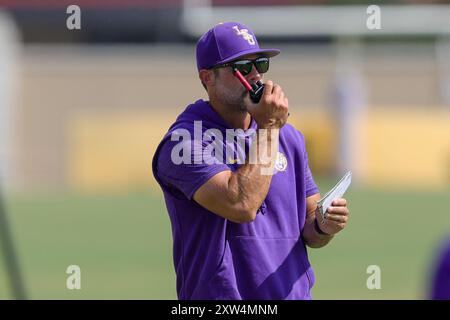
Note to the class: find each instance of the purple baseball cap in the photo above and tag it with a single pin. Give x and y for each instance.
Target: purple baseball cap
(226, 42)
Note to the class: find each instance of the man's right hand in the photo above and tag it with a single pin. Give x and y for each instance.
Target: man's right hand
(272, 110)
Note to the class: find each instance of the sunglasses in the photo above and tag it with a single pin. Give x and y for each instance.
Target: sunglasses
(245, 66)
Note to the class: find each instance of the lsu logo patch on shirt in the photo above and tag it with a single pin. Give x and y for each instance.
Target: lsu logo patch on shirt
(280, 162)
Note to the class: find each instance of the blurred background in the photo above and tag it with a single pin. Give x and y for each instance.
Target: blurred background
(81, 113)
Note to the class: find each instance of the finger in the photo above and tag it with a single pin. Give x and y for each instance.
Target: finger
(339, 202)
(268, 87)
(337, 218)
(342, 225)
(276, 91)
(282, 97)
(338, 210)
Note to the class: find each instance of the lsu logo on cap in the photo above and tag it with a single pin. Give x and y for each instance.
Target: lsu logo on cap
(244, 33)
(280, 162)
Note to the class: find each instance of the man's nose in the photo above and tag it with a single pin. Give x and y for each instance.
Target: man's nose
(254, 75)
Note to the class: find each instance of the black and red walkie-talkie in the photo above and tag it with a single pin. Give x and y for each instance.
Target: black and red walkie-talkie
(255, 89)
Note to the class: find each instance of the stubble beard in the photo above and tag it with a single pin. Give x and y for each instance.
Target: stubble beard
(234, 99)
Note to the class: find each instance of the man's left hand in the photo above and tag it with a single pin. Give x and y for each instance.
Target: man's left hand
(336, 218)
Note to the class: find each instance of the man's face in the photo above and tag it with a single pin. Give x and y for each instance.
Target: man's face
(229, 89)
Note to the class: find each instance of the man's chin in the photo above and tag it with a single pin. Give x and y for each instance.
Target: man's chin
(243, 107)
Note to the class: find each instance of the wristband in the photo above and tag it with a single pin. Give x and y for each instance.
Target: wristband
(318, 230)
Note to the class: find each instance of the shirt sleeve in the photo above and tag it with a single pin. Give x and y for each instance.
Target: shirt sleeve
(310, 184)
(189, 175)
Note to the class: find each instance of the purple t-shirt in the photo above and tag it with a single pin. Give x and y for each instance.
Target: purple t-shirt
(441, 279)
(215, 258)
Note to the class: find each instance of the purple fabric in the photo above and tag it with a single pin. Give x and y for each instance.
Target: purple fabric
(441, 280)
(217, 259)
(226, 42)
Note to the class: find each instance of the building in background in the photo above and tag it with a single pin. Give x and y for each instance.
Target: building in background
(90, 109)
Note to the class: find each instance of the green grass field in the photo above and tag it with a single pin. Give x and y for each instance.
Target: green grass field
(122, 242)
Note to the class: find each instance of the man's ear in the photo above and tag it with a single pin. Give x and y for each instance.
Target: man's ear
(206, 77)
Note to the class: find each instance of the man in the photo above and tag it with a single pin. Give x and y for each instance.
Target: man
(240, 227)
(440, 288)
